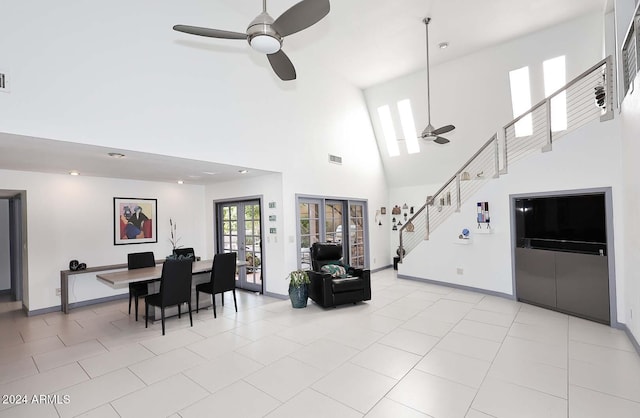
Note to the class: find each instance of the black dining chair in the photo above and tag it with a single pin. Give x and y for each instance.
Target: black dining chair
(223, 279)
(185, 252)
(138, 261)
(175, 289)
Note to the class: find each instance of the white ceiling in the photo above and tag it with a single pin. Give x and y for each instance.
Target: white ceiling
(364, 41)
(58, 157)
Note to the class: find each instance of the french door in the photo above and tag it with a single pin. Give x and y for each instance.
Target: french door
(332, 220)
(239, 230)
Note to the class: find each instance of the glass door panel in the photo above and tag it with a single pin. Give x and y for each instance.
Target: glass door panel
(239, 231)
(356, 235)
(309, 215)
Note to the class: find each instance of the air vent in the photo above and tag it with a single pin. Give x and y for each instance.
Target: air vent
(335, 159)
(3, 81)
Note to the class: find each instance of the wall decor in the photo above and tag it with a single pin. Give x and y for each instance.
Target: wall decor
(405, 206)
(272, 230)
(483, 214)
(134, 220)
(272, 205)
(409, 227)
(383, 210)
(396, 210)
(411, 210)
(395, 228)
(272, 218)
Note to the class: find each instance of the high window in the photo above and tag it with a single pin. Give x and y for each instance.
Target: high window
(521, 100)
(555, 77)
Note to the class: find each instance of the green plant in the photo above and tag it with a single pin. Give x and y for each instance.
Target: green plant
(298, 277)
(173, 237)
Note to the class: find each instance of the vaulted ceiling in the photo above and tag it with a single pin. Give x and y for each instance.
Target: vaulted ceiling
(366, 42)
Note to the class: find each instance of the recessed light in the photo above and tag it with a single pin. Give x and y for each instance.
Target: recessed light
(180, 182)
(443, 45)
(116, 155)
(243, 171)
(74, 173)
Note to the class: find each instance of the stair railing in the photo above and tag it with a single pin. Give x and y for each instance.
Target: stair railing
(586, 97)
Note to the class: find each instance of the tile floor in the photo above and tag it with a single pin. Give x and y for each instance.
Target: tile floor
(414, 350)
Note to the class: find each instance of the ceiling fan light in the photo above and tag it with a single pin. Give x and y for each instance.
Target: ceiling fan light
(265, 44)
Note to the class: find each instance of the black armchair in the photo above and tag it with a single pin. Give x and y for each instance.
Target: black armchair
(140, 289)
(175, 289)
(327, 290)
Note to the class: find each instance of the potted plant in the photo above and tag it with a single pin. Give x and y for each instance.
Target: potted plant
(299, 288)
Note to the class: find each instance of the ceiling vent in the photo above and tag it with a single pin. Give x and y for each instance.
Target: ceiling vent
(3, 81)
(335, 159)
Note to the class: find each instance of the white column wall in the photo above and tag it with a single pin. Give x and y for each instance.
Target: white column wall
(5, 260)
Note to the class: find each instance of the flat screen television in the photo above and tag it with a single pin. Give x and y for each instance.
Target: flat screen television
(575, 223)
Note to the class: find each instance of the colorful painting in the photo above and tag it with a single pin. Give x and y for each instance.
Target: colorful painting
(483, 214)
(135, 221)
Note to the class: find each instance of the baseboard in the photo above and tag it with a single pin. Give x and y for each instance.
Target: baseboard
(58, 308)
(382, 268)
(631, 338)
(276, 295)
(458, 286)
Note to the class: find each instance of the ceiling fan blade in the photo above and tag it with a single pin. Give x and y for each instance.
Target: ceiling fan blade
(282, 66)
(210, 33)
(441, 140)
(444, 130)
(300, 16)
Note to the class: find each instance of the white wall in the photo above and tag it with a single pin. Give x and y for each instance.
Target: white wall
(473, 94)
(5, 260)
(630, 128)
(72, 218)
(589, 157)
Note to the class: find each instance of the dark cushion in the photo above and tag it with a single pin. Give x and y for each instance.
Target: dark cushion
(347, 284)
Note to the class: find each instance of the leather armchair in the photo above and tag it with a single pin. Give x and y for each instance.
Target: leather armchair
(326, 290)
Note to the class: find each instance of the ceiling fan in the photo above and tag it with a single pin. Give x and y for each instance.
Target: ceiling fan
(430, 133)
(265, 34)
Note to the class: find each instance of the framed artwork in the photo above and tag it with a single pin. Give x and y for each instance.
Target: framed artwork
(134, 220)
(383, 210)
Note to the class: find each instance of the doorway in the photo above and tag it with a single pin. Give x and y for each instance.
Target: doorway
(332, 220)
(12, 256)
(239, 230)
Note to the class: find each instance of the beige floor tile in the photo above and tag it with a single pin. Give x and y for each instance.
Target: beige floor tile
(30, 411)
(17, 369)
(115, 359)
(170, 341)
(314, 405)
(428, 326)
(354, 336)
(455, 367)
(165, 365)
(161, 399)
(387, 408)
(233, 402)
(411, 341)
(222, 371)
(99, 391)
(541, 377)
(218, 345)
(57, 358)
(386, 360)
(488, 317)
(284, 378)
(28, 349)
(324, 354)
(433, 395)
(469, 346)
(447, 311)
(481, 330)
(46, 382)
(355, 386)
(268, 349)
(585, 403)
(104, 411)
(506, 400)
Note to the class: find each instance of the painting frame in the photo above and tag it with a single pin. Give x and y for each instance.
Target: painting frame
(131, 226)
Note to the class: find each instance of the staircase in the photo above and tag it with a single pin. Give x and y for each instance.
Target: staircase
(586, 98)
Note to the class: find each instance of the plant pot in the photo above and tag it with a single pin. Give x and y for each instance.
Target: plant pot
(299, 295)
